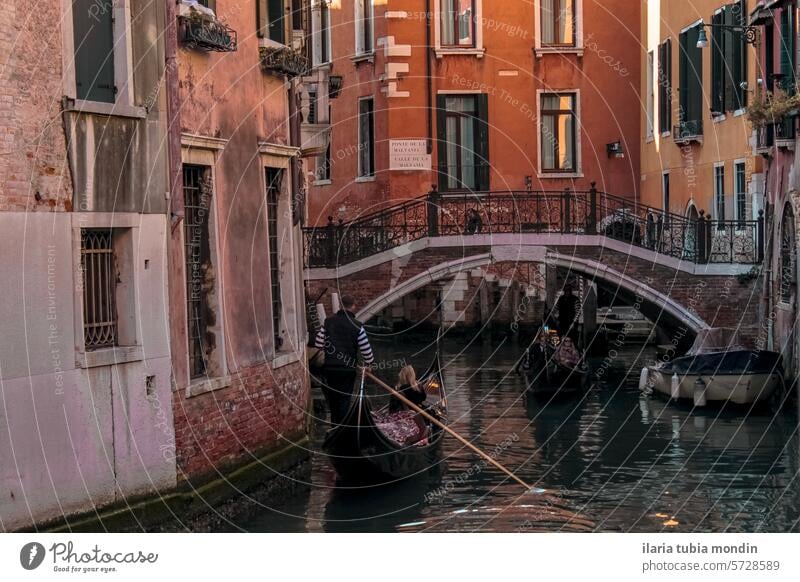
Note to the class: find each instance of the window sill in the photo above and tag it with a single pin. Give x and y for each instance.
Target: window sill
(110, 356)
(362, 179)
(206, 385)
(473, 52)
(109, 109)
(560, 176)
(363, 58)
(557, 50)
(323, 182)
(282, 360)
(718, 118)
(666, 134)
(739, 112)
(321, 66)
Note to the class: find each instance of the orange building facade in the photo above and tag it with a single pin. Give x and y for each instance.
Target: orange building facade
(468, 95)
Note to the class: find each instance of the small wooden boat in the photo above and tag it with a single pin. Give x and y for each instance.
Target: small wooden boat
(545, 377)
(717, 369)
(361, 452)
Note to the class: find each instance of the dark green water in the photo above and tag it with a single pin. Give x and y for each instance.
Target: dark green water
(626, 462)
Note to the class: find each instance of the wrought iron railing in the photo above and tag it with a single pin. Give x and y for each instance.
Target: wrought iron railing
(698, 240)
(208, 35)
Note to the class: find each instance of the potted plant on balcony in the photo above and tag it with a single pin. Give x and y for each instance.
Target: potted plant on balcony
(772, 107)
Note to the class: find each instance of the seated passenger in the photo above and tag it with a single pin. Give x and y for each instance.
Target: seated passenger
(400, 423)
(567, 354)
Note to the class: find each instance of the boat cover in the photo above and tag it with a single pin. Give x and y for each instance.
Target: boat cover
(716, 340)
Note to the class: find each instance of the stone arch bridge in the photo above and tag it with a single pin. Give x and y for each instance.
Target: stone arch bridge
(682, 273)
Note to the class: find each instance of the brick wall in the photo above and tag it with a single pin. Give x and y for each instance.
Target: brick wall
(720, 300)
(33, 161)
(230, 426)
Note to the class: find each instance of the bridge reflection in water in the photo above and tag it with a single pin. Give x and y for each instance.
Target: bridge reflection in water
(626, 463)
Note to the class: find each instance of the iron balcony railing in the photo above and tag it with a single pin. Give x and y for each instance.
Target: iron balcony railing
(592, 212)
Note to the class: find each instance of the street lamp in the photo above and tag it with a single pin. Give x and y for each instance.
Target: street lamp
(750, 33)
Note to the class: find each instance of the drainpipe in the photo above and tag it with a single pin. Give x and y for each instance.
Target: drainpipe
(429, 72)
(171, 75)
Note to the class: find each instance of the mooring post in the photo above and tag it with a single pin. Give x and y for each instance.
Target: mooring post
(566, 224)
(760, 236)
(591, 222)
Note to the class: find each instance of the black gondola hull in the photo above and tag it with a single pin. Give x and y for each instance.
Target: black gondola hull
(555, 381)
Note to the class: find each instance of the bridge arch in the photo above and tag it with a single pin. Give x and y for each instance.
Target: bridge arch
(654, 304)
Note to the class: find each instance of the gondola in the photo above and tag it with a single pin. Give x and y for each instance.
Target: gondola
(360, 452)
(546, 378)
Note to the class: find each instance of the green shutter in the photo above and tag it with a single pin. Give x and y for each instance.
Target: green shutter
(93, 26)
(277, 21)
(718, 64)
(787, 50)
(694, 108)
(441, 140)
(482, 145)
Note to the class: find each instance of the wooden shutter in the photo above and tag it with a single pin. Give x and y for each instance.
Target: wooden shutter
(665, 86)
(694, 74)
(718, 64)
(93, 26)
(482, 145)
(441, 140)
(787, 49)
(271, 20)
(732, 42)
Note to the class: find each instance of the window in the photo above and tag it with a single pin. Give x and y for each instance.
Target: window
(93, 29)
(99, 268)
(740, 191)
(650, 94)
(274, 178)
(197, 191)
(364, 26)
(271, 16)
(728, 60)
(457, 23)
(320, 32)
(558, 133)
(462, 128)
(788, 48)
(665, 86)
(366, 137)
(719, 195)
(323, 167)
(691, 80)
(558, 22)
(312, 105)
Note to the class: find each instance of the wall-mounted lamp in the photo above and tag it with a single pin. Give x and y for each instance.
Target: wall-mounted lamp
(615, 150)
(750, 33)
(335, 83)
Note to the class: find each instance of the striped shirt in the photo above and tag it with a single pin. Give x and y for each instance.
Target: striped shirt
(363, 344)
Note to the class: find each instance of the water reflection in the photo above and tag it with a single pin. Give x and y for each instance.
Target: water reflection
(628, 463)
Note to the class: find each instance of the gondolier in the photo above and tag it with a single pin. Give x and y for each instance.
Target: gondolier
(343, 339)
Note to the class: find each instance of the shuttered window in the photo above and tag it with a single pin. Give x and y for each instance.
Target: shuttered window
(691, 83)
(93, 26)
(366, 138)
(463, 142)
(728, 59)
(788, 48)
(271, 16)
(665, 86)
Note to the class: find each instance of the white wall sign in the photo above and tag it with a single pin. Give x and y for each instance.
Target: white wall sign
(410, 155)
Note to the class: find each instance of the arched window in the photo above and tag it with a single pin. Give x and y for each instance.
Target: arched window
(788, 280)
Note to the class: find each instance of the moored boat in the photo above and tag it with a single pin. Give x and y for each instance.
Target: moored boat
(717, 369)
(361, 451)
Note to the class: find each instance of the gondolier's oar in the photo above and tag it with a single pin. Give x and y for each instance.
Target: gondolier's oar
(446, 428)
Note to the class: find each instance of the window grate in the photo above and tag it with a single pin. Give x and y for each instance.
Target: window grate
(99, 289)
(197, 197)
(274, 177)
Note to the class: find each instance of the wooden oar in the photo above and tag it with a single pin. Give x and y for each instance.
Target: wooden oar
(446, 428)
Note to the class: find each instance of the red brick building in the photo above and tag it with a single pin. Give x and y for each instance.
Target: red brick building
(469, 95)
(241, 389)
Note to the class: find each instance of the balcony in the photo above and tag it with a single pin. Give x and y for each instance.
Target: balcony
(283, 61)
(207, 34)
(687, 132)
(314, 138)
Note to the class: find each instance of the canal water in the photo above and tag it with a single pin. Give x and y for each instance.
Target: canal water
(623, 461)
